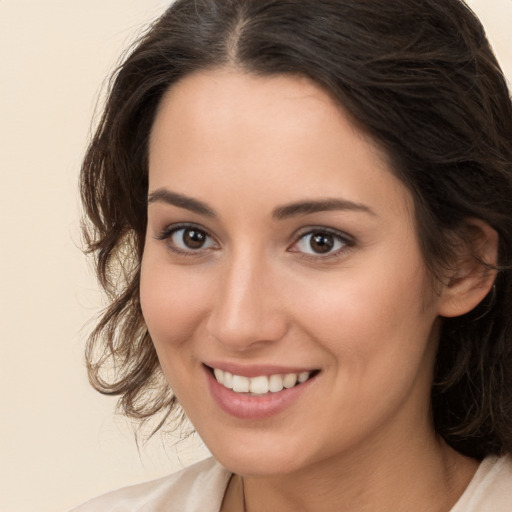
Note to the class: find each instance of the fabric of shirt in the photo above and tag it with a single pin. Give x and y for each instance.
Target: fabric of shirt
(490, 490)
(201, 488)
(197, 488)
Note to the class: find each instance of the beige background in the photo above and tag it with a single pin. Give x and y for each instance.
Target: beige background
(59, 441)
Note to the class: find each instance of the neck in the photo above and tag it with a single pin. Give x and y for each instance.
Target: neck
(366, 482)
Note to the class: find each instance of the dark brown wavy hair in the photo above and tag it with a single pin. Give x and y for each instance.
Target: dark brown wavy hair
(421, 79)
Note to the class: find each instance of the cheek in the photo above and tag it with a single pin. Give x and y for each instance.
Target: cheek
(370, 316)
(172, 300)
(381, 342)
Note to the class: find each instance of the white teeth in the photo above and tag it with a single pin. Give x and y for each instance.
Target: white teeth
(303, 377)
(275, 383)
(261, 384)
(240, 384)
(290, 379)
(228, 380)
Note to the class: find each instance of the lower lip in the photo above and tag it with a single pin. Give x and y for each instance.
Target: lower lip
(251, 407)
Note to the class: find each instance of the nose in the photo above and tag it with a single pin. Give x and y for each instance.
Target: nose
(248, 312)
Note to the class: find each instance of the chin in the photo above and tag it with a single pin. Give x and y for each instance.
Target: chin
(259, 454)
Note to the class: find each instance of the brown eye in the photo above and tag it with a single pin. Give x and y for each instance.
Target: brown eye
(194, 238)
(188, 239)
(321, 243)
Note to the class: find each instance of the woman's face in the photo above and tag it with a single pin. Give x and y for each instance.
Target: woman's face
(280, 244)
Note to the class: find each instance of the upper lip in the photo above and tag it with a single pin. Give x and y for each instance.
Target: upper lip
(255, 370)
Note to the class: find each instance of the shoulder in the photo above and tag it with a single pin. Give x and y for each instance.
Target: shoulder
(197, 488)
(491, 487)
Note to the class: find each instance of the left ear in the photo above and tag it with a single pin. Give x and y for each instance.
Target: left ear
(472, 276)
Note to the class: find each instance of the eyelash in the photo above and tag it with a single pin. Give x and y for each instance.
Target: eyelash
(346, 241)
(169, 231)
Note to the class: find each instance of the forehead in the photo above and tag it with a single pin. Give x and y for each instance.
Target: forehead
(224, 128)
(241, 91)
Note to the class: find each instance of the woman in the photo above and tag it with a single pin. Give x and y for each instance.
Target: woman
(302, 214)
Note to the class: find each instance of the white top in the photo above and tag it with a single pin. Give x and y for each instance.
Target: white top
(201, 487)
(197, 488)
(490, 490)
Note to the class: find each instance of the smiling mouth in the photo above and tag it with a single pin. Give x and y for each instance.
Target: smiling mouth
(262, 384)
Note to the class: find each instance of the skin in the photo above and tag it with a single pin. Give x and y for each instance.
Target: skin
(360, 438)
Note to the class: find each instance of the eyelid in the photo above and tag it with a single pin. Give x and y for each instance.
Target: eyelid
(167, 232)
(347, 240)
(171, 228)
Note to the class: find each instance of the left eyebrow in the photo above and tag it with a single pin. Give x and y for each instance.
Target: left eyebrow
(320, 205)
(162, 195)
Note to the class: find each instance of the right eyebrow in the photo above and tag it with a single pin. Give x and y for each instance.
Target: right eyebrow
(163, 195)
(319, 205)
